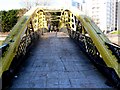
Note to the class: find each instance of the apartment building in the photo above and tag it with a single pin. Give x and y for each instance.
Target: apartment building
(77, 4)
(117, 15)
(103, 14)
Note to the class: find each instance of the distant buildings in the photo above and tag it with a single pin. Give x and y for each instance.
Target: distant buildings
(77, 4)
(117, 15)
(102, 12)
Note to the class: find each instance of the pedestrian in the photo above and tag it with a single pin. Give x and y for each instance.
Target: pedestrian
(49, 27)
(55, 28)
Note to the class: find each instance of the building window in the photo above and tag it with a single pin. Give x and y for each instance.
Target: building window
(93, 7)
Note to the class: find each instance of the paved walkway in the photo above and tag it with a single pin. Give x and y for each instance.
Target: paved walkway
(57, 62)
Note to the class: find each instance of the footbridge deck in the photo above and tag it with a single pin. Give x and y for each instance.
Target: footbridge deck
(57, 62)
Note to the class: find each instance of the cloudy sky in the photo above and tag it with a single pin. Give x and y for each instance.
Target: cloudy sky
(15, 4)
(9, 4)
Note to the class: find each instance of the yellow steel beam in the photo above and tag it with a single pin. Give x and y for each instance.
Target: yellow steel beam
(14, 39)
(99, 40)
(94, 32)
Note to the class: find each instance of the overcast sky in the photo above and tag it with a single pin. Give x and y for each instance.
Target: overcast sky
(15, 4)
(9, 4)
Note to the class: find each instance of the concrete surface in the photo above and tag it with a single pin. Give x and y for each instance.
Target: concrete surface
(57, 62)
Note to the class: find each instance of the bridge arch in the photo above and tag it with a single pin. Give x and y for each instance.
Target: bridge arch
(80, 28)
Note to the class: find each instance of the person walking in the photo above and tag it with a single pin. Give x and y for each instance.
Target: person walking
(49, 27)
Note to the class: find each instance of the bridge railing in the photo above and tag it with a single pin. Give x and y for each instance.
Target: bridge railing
(23, 34)
(115, 50)
(3, 49)
(94, 43)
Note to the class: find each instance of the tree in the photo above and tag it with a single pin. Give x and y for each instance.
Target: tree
(0, 21)
(9, 19)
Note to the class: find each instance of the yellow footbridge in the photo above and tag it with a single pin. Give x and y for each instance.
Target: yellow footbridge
(80, 28)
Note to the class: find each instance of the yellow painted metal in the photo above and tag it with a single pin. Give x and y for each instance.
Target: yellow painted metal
(42, 20)
(106, 54)
(99, 40)
(39, 21)
(15, 37)
(35, 21)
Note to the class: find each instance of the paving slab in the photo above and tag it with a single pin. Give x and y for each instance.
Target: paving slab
(57, 62)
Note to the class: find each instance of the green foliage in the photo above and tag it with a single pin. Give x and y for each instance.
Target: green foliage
(115, 32)
(9, 19)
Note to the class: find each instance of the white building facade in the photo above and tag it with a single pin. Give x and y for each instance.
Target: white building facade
(118, 15)
(77, 4)
(103, 14)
